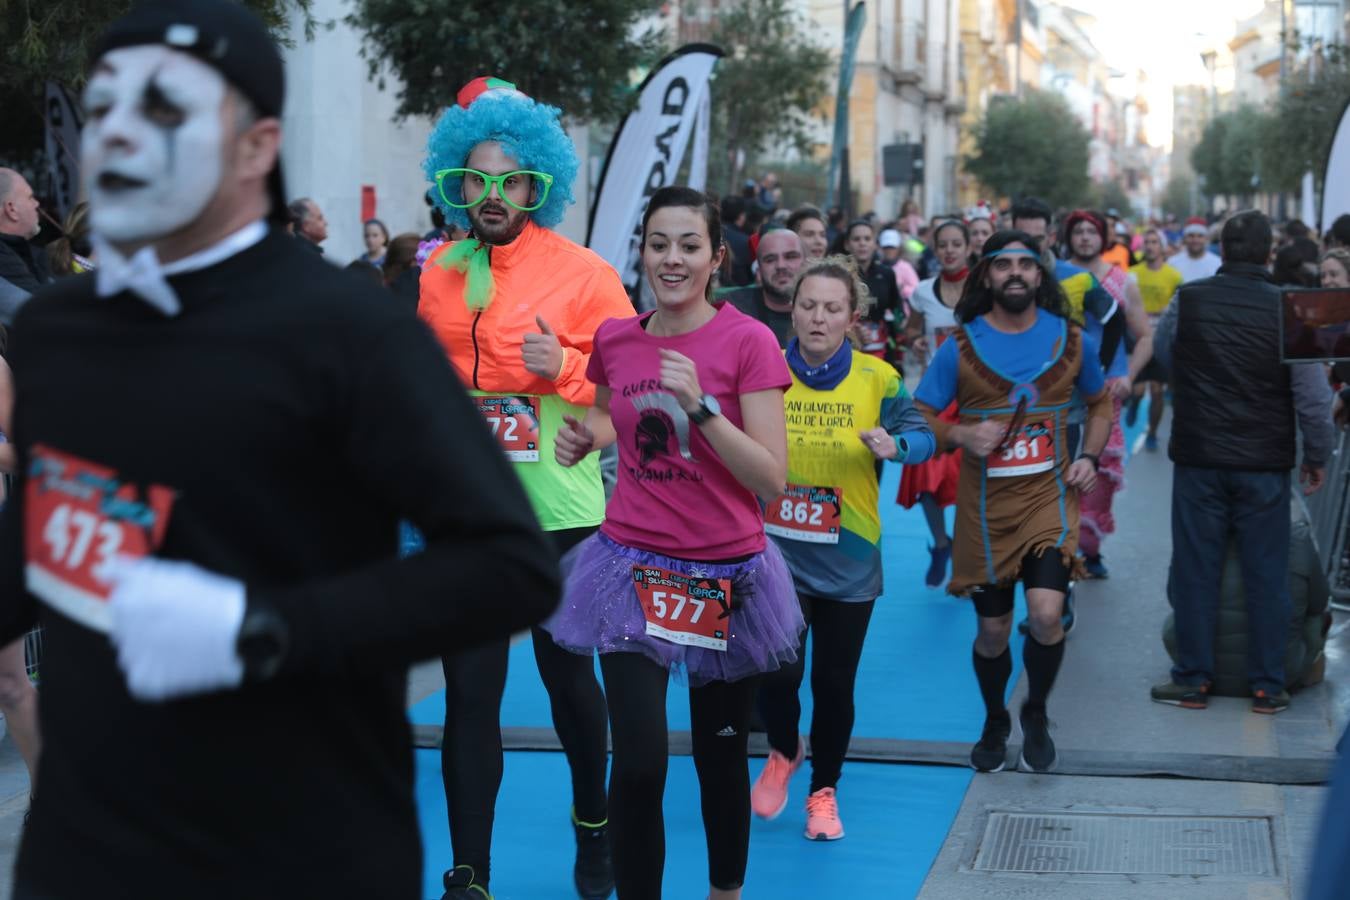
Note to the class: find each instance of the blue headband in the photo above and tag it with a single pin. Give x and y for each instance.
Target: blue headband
(1013, 251)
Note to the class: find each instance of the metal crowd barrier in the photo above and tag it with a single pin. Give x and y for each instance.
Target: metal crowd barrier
(1329, 510)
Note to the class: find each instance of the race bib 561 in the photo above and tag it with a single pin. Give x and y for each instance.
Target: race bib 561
(78, 516)
(1027, 452)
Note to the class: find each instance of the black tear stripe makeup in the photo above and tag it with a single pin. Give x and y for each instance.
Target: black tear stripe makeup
(155, 100)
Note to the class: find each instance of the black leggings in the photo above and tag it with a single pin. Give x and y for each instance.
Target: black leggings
(471, 748)
(720, 717)
(837, 633)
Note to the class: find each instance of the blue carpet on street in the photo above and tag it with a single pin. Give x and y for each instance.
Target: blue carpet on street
(915, 683)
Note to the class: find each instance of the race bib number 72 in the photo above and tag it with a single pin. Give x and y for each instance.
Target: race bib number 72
(515, 424)
(78, 516)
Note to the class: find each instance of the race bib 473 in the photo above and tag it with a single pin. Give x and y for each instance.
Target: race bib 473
(78, 516)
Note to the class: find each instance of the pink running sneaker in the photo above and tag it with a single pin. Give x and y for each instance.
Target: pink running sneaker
(822, 816)
(769, 796)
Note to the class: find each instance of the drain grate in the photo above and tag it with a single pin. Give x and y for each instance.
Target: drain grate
(1115, 844)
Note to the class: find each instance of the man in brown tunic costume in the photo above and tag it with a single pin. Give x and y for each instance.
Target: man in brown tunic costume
(1012, 367)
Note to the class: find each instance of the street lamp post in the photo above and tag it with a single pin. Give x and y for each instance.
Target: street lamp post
(1210, 59)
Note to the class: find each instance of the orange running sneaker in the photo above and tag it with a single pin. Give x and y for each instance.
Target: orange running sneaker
(822, 816)
(769, 796)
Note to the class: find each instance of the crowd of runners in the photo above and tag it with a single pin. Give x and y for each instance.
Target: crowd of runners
(217, 439)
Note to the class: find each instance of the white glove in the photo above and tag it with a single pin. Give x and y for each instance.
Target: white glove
(174, 625)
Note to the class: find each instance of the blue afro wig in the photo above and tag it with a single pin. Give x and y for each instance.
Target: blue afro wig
(528, 131)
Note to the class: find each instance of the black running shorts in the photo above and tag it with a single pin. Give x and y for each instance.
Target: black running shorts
(1047, 571)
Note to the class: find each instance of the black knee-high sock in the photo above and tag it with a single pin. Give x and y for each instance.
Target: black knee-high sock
(993, 675)
(1042, 662)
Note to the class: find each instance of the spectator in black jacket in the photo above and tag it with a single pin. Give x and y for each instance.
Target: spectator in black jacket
(1233, 445)
(310, 225)
(737, 241)
(401, 272)
(860, 240)
(23, 265)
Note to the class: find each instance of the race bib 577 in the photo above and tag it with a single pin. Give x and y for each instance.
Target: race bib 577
(683, 609)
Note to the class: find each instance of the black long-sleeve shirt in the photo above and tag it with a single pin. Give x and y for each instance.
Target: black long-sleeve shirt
(298, 415)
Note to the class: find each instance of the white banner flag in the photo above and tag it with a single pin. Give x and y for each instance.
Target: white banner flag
(1336, 179)
(698, 158)
(63, 147)
(646, 155)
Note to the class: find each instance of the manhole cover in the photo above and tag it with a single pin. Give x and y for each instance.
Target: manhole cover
(1114, 844)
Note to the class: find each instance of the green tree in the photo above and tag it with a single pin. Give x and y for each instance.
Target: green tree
(579, 58)
(1177, 197)
(1032, 146)
(1231, 152)
(1207, 158)
(765, 89)
(1110, 195)
(52, 40)
(1303, 122)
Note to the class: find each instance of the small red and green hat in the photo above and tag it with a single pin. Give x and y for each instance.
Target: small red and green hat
(480, 86)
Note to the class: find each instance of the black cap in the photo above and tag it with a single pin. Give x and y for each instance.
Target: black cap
(226, 36)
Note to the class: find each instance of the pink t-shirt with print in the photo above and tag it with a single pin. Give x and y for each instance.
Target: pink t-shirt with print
(674, 495)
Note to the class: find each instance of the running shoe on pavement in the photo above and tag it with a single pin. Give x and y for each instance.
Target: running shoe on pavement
(1095, 567)
(1038, 750)
(1268, 703)
(937, 565)
(594, 869)
(822, 816)
(991, 753)
(769, 796)
(459, 885)
(1187, 696)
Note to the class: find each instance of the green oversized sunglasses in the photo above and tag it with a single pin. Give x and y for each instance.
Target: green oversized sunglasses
(482, 182)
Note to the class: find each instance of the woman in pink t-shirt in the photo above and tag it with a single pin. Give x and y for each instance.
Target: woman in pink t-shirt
(680, 577)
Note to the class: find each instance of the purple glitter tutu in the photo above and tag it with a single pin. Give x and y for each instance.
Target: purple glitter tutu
(600, 611)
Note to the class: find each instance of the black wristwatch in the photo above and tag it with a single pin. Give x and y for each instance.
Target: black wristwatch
(707, 408)
(1096, 463)
(262, 643)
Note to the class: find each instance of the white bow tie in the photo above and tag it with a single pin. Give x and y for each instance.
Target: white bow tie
(141, 274)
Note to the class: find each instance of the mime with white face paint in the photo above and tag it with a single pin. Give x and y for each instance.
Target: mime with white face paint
(218, 435)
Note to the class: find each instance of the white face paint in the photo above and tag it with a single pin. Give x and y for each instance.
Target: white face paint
(151, 146)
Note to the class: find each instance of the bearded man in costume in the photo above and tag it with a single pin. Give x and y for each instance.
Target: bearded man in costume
(1012, 367)
(516, 306)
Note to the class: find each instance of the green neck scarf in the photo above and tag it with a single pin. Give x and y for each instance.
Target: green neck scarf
(472, 258)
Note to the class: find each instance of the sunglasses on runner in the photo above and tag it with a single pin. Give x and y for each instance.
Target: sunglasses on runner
(477, 184)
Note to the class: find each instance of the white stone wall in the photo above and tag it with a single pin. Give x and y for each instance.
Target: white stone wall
(340, 134)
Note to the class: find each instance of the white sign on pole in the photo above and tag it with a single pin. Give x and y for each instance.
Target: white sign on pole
(1336, 179)
(647, 152)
